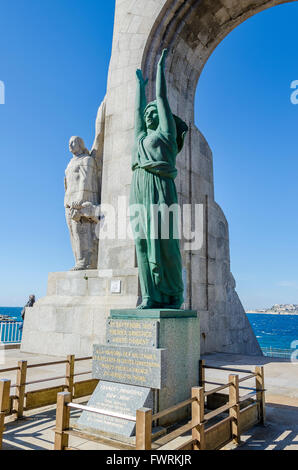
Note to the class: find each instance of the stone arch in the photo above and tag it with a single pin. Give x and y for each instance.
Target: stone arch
(191, 29)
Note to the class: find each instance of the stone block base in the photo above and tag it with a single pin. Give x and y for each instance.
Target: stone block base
(151, 360)
(72, 317)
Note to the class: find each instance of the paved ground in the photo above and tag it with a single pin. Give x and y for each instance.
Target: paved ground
(35, 432)
(280, 432)
(281, 383)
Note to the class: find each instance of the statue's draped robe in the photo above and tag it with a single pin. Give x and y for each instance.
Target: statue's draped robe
(159, 258)
(81, 185)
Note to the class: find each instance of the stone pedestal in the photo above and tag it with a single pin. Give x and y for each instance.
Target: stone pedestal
(72, 317)
(150, 359)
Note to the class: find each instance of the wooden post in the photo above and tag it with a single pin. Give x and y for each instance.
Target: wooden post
(62, 420)
(20, 388)
(260, 385)
(235, 410)
(144, 429)
(197, 417)
(70, 365)
(202, 375)
(4, 405)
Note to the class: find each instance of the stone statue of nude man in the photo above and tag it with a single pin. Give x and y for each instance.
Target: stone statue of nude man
(81, 202)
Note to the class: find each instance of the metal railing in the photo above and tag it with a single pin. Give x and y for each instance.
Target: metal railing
(10, 332)
(278, 353)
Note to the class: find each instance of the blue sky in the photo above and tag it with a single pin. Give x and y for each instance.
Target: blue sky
(54, 61)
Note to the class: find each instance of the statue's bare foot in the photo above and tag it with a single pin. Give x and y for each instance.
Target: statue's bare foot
(79, 268)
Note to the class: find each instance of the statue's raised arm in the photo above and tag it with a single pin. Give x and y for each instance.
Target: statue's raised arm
(140, 126)
(159, 137)
(166, 120)
(98, 145)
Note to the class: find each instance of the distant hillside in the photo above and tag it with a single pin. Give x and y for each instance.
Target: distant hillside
(279, 309)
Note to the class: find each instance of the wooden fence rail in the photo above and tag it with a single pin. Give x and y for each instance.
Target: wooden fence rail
(4, 404)
(209, 431)
(24, 400)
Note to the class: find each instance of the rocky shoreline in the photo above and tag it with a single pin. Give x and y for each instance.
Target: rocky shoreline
(6, 318)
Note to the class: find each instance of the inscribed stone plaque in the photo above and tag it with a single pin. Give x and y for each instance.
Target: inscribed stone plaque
(119, 399)
(129, 365)
(115, 287)
(132, 333)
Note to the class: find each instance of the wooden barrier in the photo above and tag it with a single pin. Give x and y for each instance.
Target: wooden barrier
(20, 388)
(243, 412)
(4, 405)
(43, 397)
(209, 431)
(24, 400)
(234, 408)
(70, 370)
(84, 388)
(62, 421)
(260, 387)
(144, 429)
(197, 416)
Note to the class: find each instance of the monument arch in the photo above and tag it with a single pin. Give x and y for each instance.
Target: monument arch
(78, 304)
(191, 30)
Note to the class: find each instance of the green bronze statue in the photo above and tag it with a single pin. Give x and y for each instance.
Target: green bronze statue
(159, 137)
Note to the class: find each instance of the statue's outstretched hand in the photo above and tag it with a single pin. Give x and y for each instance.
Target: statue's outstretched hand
(163, 58)
(140, 78)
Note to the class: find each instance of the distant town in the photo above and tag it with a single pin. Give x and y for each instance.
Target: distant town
(279, 309)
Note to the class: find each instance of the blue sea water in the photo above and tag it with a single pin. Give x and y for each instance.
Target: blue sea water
(275, 331)
(14, 312)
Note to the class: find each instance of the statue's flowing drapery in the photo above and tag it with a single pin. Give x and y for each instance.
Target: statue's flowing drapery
(159, 260)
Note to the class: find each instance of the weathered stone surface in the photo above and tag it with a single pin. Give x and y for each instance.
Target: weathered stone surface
(191, 30)
(119, 399)
(130, 365)
(72, 317)
(81, 204)
(179, 336)
(132, 313)
(138, 376)
(139, 333)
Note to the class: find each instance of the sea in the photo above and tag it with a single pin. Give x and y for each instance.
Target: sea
(275, 331)
(13, 312)
(272, 331)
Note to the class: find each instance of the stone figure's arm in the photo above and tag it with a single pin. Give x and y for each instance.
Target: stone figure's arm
(141, 103)
(65, 184)
(97, 148)
(166, 119)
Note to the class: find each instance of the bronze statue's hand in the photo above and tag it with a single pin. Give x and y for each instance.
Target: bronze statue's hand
(140, 78)
(163, 58)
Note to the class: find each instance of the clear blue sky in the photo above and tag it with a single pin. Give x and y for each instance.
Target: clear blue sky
(54, 62)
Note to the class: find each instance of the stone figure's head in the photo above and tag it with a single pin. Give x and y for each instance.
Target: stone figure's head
(77, 146)
(152, 122)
